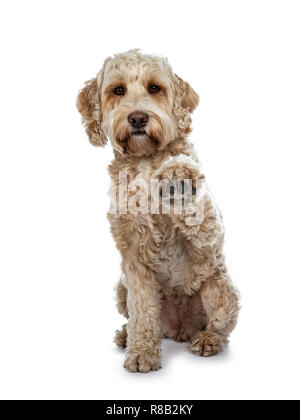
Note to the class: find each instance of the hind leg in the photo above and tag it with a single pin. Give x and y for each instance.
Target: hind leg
(122, 299)
(121, 335)
(221, 303)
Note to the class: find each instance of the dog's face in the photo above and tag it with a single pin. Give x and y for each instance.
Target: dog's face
(138, 103)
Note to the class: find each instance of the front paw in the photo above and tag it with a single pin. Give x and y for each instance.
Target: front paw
(179, 177)
(143, 360)
(177, 189)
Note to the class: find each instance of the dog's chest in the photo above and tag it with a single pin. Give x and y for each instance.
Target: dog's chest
(172, 265)
(153, 237)
(165, 251)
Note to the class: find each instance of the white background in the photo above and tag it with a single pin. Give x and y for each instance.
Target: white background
(59, 264)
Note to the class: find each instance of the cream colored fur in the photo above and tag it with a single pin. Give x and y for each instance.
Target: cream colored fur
(175, 283)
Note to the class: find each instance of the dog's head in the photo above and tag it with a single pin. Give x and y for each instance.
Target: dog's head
(138, 103)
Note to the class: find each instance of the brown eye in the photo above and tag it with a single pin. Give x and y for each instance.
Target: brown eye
(153, 89)
(119, 91)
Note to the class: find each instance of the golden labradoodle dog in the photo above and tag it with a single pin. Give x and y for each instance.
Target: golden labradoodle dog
(175, 283)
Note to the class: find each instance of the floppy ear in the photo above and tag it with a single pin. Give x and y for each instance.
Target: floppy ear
(189, 98)
(186, 101)
(88, 104)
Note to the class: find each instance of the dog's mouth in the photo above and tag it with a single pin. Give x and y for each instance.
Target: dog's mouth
(140, 142)
(143, 134)
(139, 133)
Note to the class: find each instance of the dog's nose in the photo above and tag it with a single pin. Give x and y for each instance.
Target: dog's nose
(138, 119)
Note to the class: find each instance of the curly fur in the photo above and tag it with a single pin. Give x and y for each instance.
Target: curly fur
(175, 283)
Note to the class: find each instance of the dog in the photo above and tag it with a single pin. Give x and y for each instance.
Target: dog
(174, 281)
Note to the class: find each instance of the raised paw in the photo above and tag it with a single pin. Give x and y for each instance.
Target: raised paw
(180, 168)
(179, 176)
(143, 361)
(207, 344)
(176, 189)
(121, 337)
